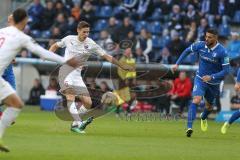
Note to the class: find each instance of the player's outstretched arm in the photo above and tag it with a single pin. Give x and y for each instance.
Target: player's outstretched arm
(54, 47)
(113, 60)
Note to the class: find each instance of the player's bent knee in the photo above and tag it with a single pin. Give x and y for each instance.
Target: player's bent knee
(197, 100)
(208, 106)
(70, 97)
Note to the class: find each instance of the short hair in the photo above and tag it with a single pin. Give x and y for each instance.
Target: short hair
(212, 31)
(19, 15)
(83, 24)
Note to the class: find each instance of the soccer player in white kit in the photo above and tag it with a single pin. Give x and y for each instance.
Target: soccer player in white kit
(81, 46)
(12, 40)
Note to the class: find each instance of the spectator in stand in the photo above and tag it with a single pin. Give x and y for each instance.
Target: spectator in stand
(105, 41)
(191, 15)
(138, 55)
(60, 8)
(205, 8)
(48, 15)
(143, 10)
(123, 30)
(88, 13)
(176, 17)
(235, 101)
(72, 26)
(35, 93)
(202, 29)
(61, 23)
(164, 57)
(76, 11)
(176, 46)
(144, 45)
(191, 33)
(131, 36)
(53, 85)
(56, 33)
(181, 92)
(218, 12)
(233, 46)
(35, 13)
(112, 28)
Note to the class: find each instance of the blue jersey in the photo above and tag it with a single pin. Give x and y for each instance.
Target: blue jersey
(213, 62)
(238, 76)
(8, 76)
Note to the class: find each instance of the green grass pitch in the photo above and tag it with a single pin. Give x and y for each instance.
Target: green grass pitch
(40, 135)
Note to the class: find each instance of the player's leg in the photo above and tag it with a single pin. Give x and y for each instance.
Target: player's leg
(71, 105)
(84, 108)
(8, 76)
(198, 91)
(232, 119)
(210, 96)
(14, 105)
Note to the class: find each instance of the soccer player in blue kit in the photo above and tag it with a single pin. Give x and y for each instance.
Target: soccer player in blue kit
(236, 114)
(213, 66)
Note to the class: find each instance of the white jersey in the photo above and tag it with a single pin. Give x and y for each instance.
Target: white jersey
(13, 40)
(83, 50)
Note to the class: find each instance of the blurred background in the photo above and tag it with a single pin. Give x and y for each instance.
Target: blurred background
(157, 31)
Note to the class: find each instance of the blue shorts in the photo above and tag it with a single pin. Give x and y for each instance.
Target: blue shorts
(208, 91)
(8, 76)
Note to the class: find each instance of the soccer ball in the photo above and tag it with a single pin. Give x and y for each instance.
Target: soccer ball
(109, 98)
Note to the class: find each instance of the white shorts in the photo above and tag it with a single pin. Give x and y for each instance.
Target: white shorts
(5, 89)
(74, 81)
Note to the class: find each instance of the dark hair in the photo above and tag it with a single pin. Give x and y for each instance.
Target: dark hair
(19, 15)
(212, 31)
(83, 24)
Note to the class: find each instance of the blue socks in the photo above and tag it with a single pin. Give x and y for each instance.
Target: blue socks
(234, 117)
(192, 111)
(205, 113)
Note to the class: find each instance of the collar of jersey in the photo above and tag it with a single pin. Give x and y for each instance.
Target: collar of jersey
(212, 47)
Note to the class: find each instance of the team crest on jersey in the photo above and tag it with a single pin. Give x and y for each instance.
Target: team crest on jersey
(86, 46)
(214, 54)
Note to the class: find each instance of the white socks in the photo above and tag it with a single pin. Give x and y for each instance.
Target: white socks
(82, 110)
(74, 113)
(9, 116)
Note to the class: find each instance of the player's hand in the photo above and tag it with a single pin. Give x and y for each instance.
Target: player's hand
(237, 86)
(206, 78)
(174, 68)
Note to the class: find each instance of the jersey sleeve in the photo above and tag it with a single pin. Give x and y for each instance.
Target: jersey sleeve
(36, 49)
(224, 59)
(193, 48)
(97, 49)
(62, 43)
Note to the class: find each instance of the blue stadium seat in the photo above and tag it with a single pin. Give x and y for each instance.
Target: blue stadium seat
(155, 28)
(224, 30)
(36, 34)
(46, 34)
(94, 36)
(139, 25)
(156, 16)
(117, 10)
(105, 12)
(236, 18)
(100, 25)
(156, 42)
